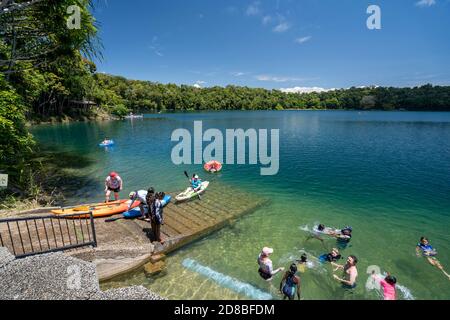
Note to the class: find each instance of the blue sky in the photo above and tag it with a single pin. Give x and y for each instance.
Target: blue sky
(276, 43)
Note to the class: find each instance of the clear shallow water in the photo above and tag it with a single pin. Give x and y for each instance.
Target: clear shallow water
(387, 174)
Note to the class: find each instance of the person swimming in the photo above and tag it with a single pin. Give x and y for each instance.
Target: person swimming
(333, 256)
(322, 229)
(429, 253)
(426, 247)
(302, 263)
(343, 237)
(319, 231)
(345, 234)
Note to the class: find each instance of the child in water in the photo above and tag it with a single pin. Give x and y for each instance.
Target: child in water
(302, 263)
(333, 256)
(430, 253)
(388, 284)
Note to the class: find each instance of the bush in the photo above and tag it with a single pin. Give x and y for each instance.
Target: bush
(120, 110)
(16, 144)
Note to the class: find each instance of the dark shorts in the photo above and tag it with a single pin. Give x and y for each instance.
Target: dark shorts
(114, 190)
(264, 275)
(346, 286)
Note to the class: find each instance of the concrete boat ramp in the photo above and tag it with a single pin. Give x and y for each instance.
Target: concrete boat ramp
(126, 245)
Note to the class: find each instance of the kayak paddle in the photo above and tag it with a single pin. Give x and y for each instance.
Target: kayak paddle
(114, 219)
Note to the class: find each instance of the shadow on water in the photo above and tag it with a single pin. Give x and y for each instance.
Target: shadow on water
(59, 173)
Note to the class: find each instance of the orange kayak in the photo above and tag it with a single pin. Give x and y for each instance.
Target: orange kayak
(99, 210)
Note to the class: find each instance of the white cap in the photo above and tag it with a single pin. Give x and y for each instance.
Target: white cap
(266, 251)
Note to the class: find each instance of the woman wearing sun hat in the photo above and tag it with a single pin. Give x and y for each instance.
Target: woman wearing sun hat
(113, 183)
(265, 264)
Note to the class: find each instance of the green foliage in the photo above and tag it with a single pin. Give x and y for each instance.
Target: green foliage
(16, 144)
(144, 95)
(43, 67)
(120, 110)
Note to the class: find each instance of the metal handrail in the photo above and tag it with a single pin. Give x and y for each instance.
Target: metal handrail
(51, 238)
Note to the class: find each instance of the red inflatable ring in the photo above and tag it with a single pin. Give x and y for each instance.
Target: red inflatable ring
(213, 166)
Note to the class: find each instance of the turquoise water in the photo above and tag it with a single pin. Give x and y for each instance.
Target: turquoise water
(387, 174)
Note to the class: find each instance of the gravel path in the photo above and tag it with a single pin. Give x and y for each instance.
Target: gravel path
(56, 276)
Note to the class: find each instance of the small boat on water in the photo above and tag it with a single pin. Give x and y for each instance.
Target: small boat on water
(134, 116)
(107, 143)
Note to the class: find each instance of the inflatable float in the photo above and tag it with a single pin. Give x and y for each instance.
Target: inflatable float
(98, 210)
(213, 166)
(107, 143)
(189, 193)
(136, 212)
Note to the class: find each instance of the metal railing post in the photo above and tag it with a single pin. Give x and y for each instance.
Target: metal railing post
(94, 236)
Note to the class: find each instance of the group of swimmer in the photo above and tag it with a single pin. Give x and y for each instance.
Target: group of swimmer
(151, 203)
(290, 285)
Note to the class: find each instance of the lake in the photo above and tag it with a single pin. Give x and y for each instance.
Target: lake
(386, 174)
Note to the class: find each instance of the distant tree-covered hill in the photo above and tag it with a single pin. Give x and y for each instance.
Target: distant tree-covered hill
(133, 95)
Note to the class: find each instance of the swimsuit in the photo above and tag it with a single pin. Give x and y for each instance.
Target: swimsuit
(290, 286)
(427, 249)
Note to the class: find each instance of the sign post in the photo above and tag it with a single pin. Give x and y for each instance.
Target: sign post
(3, 180)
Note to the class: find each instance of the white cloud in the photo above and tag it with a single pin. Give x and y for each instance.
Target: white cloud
(305, 89)
(425, 3)
(266, 20)
(264, 77)
(303, 39)
(253, 9)
(199, 84)
(282, 27)
(156, 47)
(238, 74)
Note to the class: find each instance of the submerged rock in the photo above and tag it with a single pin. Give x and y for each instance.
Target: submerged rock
(152, 269)
(157, 257)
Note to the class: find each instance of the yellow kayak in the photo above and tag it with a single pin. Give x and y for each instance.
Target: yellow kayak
(99, 209)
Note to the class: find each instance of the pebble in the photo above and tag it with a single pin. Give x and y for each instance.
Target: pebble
(55, 276)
